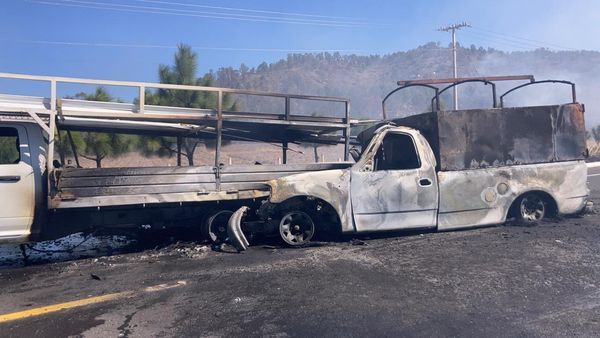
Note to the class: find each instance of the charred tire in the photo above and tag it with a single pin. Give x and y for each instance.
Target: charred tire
(296, 228)
(531, 208)
(215, 226)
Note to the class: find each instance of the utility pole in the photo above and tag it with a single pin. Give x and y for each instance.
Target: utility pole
(453, 28)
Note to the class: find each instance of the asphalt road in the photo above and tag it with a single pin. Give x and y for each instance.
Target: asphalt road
(500, 281)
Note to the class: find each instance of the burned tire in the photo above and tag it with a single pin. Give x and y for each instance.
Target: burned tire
(215, 226)
(296, 228)
(531, 208)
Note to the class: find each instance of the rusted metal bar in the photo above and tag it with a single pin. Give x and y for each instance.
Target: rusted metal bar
(573, 91)
(454, 80)
(73, 149)
(347, 131)
(433, 108)
(179, 141)
(219, 137)
(287, 118)
(142, 99)
(57, 79)
(284, 149)
(52, 125)
(467, 81)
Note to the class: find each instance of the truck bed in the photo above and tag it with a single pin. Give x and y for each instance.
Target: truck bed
(79, 187)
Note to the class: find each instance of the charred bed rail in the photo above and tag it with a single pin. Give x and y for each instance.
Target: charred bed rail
(52, 106)
(429, 83)
(529, 78)
(435, 107)
(486, 82)
(573, 91)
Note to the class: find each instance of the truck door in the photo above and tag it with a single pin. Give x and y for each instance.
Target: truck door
(396, 188)
(16, 183)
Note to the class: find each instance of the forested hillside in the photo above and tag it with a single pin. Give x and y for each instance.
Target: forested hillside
(366, 79)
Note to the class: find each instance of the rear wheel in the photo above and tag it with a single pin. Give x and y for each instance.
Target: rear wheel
(215, 226)
(296, 228)
(531, 208)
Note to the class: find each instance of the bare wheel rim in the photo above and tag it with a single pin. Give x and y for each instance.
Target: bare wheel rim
(296, 228)
(532, 208)
(217, 226)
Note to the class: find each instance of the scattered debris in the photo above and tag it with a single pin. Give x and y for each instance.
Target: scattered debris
(356, 241)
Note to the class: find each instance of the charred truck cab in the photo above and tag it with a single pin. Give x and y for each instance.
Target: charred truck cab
(445, 170)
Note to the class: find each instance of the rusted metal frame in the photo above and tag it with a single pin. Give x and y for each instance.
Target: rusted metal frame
(573, 91)
(141, 100)
(494, 99)
(433, 108)
(530, 78)
(219, 136)
(179, 141)
(52, 124)
(56, 79)
(347, 130)
(69, 136)
(285, 144)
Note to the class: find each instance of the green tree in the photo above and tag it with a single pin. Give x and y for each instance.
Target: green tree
(96, 146)
(8, 150)
(596, 133)
(63, 144)
(183, 71)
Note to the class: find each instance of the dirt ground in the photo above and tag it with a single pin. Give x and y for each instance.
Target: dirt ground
(503, 281)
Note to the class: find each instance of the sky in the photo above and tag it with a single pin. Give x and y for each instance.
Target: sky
(128, 39)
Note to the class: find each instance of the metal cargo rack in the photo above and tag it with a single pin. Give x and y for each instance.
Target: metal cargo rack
(52, 112)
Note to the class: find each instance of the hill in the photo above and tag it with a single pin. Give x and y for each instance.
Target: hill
(367, 79)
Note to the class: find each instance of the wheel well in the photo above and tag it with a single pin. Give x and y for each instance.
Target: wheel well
(322, 212)
(551, 202)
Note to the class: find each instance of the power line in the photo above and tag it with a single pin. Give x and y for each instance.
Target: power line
(513, 37)
(246, 10)
(507, 43)
(127, 45)
(193, 13)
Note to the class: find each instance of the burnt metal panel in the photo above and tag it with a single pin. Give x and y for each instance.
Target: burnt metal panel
(482, 138)
(74, 184)
(570, 132)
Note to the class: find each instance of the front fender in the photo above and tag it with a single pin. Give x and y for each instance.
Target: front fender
(331, 186)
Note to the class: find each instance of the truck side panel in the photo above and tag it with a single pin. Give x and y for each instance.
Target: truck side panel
(483, 196)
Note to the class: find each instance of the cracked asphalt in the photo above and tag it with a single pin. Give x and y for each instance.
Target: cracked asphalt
(504, 281)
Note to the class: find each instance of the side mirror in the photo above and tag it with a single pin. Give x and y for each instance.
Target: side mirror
(355, 154)
(56, 164)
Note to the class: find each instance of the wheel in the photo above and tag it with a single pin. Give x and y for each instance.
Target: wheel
(215, 226)
(531, 208)
(296, 228)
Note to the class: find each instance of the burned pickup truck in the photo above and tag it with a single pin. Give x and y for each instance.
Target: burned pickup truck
(442, 170)
(439, 170)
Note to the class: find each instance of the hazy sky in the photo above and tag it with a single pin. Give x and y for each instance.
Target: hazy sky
(127, 39)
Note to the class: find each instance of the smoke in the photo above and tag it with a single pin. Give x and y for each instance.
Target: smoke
(582, 68)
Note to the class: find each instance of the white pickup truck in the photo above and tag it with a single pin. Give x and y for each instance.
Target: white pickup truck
(442, 170)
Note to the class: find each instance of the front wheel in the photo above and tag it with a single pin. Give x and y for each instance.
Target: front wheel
(296, 228)
(531, 209)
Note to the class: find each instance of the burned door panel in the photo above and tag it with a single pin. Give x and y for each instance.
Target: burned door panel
(396, 188)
